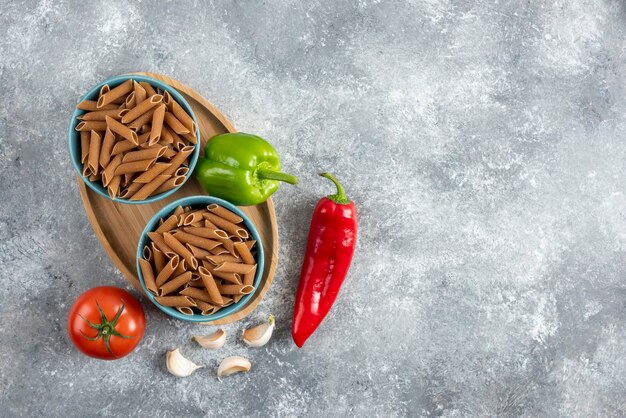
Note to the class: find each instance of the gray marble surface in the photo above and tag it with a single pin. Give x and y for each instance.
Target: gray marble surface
(483, 143)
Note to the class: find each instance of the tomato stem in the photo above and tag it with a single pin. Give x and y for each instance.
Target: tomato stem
(106, 328)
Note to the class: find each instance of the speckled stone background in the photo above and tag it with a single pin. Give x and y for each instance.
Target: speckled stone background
(484, 143)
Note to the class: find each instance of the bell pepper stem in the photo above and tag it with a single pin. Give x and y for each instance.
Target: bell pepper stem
(339, 197)
(266, 174)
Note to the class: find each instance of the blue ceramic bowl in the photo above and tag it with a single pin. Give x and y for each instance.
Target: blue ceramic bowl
(74, 136)
(197, 202)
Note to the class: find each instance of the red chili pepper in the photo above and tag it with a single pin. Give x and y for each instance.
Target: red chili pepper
(329, 251)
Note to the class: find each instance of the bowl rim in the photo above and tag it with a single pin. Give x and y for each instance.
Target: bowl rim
(200, 201)
(113, 82)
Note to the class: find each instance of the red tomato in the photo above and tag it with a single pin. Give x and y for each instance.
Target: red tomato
(106, 322)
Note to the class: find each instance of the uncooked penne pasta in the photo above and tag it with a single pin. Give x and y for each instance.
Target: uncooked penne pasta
(210, 285)
(109, 170)
(206, 308)
(229, 267)
(107, 147)
(92, 106)
(224, 213)
(147, 253)
(84, 145)
(122, 146)
(140, 93)
(157, 124)
(235, 289)
(114, 186)
(199, 253)
(122, 130)
(102, 114)
(248, 278)
(149, 89)
(158, 258)
(206, 232)
(193, 217)
(144, 138)
(151, 174)
(170, 184)
(175, 283)
(148, 276)
(175, 301)
(92, 125)
(169, 224)
(197, 293)
(175, 125)
(157, 239)
(115, 93)
(250, 243)
(167, 271)
(185, 310)
(180, 249)
(148, 188)
(219, 250)
(178, 159)
(134, 167)
(166, 135)
(244, 253)
(181, 115)
(145, 154)
(216, 260)
(167, 98)
(226, 225)
(234, 278)
(130, 102)
(142, 108)
(104, 90)
(200, 242)
(181, 172)
(95, 142)
(142, 120)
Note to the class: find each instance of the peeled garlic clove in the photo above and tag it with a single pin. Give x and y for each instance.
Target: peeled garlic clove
(232, 365)
(211, 341)
(179, 365)
(259, 336)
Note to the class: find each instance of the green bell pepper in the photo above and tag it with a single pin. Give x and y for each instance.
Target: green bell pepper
(241, 168)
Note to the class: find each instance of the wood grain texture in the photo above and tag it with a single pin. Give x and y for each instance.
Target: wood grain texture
(118, 226)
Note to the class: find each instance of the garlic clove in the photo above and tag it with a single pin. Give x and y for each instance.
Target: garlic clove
(259, 336)
(179, 365)
(211, 341)
(232, 365)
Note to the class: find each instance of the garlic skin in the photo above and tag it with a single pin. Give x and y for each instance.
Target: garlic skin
(232, 365)
(259, 336)
(178, 365)
(211, 341)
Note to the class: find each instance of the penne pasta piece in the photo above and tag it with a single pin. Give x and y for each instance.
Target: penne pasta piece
(248, 278)
(92, 125)
(178, 144)
(115, 93)
(152, 173)
(210, 285)
(148, 276)
(227, 301)
(197, 293)
(175, 283)
(169, 224)
(167, 99)
(196, 283)
(193, 217)
(250, 243)
(157, 124)
(219, 250)
(144, 138)
(199, 253)
(200, 242)
(182, 267)
(226, 225)
(142, 120)
(122, 130)
(140, 93)
(95, 177)
(158, 257)
(104, 90)
(95, 142)
(102, 114)
(128, 178)
(107, 147)
(84, 145)
(166, 135)
(181, 172)
(109, 170)
(182, 116)
(169, 153)
(92, 106)
(235, 289)
(185, 310)
(114, 187)
(149, 89)
(216, 260)
(224, 213)
(134, 167)
(175, 301)
(230, 267)
(244, 253)
(142, 108)
(179, 211)
(234, 278)
(175, 124)
(147, 253)
(86, 171)
(149, 188)
(167, 271)
(190, 138)
(157, 239)
(205, 232)
(122, 146)
(206, 308)
(145, 154)
(180, 249)
(130, 102)
(178, 159)
(170, 184)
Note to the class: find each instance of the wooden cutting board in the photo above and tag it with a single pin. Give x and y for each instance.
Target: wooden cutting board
(118, 226)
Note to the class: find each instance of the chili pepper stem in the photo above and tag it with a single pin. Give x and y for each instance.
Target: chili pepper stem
(266, 174)
(339, 197)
